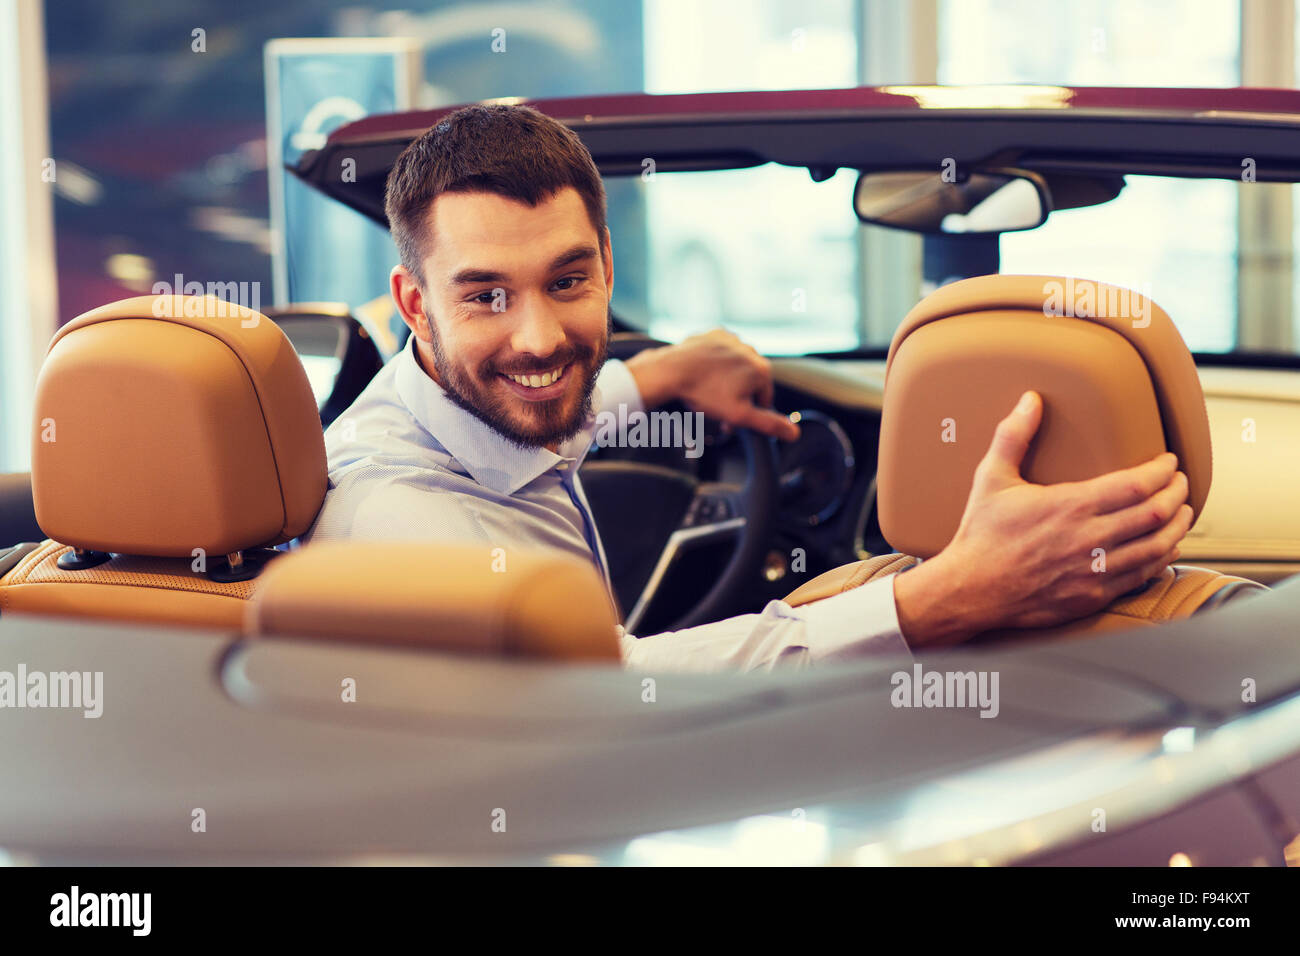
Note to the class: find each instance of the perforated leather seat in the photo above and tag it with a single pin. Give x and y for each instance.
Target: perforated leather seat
(176, 439)
(1119, 387)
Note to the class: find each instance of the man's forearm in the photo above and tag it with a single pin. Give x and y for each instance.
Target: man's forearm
(717, 375)
(657, 374)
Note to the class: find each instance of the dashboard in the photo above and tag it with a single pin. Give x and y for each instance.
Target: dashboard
(827, 488)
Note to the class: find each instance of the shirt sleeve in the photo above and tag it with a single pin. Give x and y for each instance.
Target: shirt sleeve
(857, 623)
(615, 386)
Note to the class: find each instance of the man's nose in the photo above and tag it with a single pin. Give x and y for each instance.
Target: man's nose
(537, 330)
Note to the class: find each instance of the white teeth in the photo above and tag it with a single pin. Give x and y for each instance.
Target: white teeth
(539, 381)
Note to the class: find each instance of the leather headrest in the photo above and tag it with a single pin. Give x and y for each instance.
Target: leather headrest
(1118, 386)
(447, 597)
(169, 423)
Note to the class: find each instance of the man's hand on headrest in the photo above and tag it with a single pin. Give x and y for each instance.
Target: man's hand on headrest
(1029, 555)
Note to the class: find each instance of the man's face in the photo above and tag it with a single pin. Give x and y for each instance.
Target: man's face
(516, 300)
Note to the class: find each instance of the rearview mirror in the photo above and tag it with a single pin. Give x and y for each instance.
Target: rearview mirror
(983, 203)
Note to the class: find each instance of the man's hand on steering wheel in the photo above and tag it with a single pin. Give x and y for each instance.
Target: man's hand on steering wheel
(717, 374)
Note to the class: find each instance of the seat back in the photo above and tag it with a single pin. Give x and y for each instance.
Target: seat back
(1178, 592)
(123, 588)
(176, 438)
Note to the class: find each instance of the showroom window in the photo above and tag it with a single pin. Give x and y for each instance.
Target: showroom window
(1176, 237)
(781, 273)
(176, 183)
(163, 152)
(1193, 43)
(163, 136)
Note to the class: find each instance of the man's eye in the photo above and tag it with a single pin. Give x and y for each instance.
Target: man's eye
(568, 283)
(485, 298)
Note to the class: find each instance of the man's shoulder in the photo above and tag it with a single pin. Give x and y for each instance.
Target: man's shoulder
(378, 425)
(385, 496)
(376, 430)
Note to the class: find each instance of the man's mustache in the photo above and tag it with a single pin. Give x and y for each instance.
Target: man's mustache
(576, 354)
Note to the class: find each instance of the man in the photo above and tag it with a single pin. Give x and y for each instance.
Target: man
(476, 430)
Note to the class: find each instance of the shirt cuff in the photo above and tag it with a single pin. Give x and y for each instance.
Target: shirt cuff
(615, 386)
(855, 623)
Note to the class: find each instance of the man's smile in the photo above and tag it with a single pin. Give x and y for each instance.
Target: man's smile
(538, 387)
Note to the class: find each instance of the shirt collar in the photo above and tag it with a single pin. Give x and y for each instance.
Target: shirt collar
(490, 458)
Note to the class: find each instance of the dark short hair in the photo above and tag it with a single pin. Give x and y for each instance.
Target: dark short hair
(512, 151)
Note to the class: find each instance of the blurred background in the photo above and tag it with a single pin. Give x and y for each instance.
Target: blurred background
(167, 125)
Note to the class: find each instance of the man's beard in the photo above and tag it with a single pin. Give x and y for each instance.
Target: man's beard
(549, 425)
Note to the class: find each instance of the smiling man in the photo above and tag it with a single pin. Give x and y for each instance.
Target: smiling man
(475, 431)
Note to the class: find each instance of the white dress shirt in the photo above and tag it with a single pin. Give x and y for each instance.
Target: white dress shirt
(405, 462)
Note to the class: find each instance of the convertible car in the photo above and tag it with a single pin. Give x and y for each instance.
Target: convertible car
(259, 701)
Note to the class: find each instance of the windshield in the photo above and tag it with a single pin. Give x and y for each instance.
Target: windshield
(782, 261)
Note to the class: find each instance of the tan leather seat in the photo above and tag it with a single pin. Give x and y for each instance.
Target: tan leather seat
(176, 438)
(461, 598)
(1119, 386)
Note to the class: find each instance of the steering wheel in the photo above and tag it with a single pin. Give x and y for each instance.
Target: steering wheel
(649, 515)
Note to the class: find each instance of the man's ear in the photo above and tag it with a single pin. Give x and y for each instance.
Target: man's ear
(410, 301)
(607, 248)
